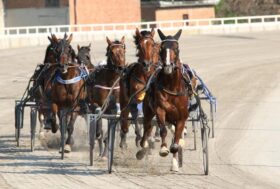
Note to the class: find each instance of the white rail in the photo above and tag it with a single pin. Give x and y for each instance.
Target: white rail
(14, 37)
(165, 25)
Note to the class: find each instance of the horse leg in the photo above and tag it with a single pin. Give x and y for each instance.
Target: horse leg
(70, 129)
(52, 119)
(105, 141)
(178, 135)
(157, 134)
(163, 131)
(134, 113)
(148, 116)
(175, 165)
(41, 121)
(124, 128)
(175, 145)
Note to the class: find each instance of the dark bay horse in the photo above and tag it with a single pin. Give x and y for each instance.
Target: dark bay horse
(135, 79)
(101, 81)
(167, 99)
(68, 90)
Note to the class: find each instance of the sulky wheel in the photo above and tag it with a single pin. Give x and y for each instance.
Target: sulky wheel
(212, 118)
(92, 136)
(204, 140)
(33, 122)
(18, 121)
(111, 140)
(63, 125)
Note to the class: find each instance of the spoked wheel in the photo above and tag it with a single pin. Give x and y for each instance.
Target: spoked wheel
(212, 118)
(180, 156)
(204, 140)
(92, 136)
(18, 121)
(111, 141)
(63, 125)
(33, 122)
(194, 134)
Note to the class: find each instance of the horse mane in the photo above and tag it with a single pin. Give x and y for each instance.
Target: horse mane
(137, 38)
(143, 33)
(46, 53)
(73, 54)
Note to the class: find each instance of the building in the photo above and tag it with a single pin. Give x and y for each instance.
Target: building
(35, 12)
(65, 12)
(1, 15)
(157, 10)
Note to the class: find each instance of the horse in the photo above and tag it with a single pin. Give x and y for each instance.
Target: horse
(84, 58)
(100, 83)
(167, 99)
(67, 91)
(43, 76)
(135, 79)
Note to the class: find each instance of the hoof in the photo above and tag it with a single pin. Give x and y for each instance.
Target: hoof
(140, 154)
(174, 148)
(54, 128)
(67, 148)
(175, 166)
(163, 151)
(185, 131)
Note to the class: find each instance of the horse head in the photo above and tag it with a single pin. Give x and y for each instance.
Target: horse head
(83, 56)
(146, 47)
(116, 54)
(169, 51)
(51, 49)
(64, 53)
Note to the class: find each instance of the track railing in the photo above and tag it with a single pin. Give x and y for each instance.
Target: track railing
(165, 25)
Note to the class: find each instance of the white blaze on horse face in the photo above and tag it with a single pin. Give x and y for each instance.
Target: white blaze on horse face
(145, 41)
(167, 57)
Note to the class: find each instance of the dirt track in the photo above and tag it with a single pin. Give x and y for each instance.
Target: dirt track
(241, 70)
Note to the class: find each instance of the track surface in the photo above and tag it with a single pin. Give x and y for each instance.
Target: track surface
(241, 70)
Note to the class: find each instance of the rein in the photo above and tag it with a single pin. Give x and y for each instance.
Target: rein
(173, 93)
(147, 86)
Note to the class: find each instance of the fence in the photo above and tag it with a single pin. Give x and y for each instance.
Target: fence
(36, 35)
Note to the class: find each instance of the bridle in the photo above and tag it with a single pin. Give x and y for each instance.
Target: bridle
(172, 64)
(147, 65)
(109, 54)
(83, 57)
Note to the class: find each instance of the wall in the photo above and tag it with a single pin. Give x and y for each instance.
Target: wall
(176, 13)
(36, 17)
(1, 15)
(17, 4)
(109, 11)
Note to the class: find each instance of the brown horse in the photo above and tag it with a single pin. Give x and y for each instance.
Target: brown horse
(135, 79)
(42, 83)
(102, 79)
(68, 90)
(167, 99)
